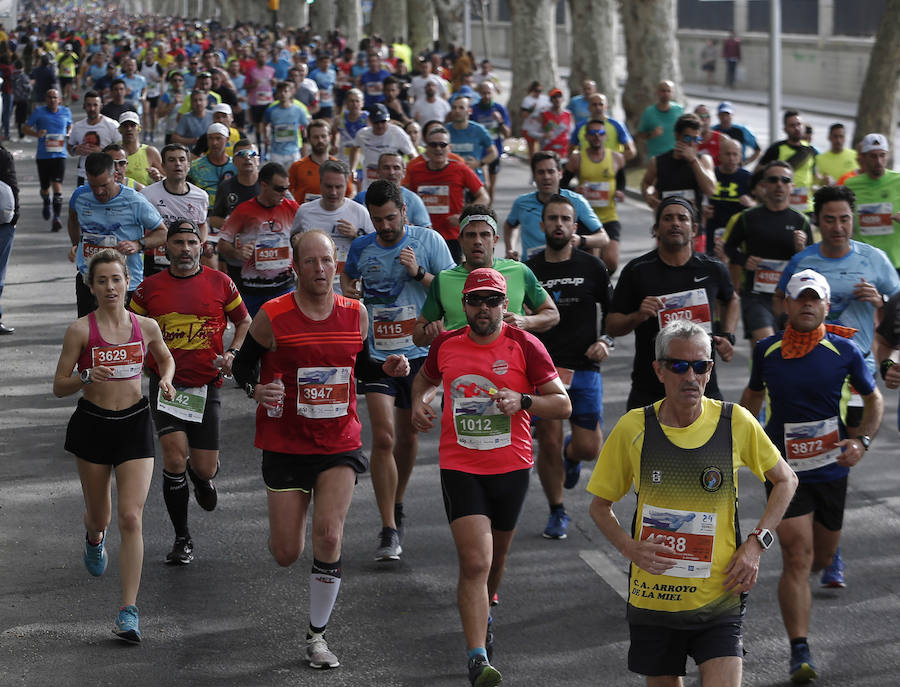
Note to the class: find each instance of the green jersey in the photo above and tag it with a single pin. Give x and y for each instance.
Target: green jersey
(876, 201)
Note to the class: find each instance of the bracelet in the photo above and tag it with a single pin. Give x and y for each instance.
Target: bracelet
(583, 242)
(886, 365)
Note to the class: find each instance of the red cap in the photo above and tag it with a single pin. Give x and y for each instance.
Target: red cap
(485, 279)
(555, 91)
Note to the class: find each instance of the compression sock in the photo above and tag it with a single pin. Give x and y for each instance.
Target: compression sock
(57, 204)
(798, 640)
(176, 494)
(554, 507)
(324, 584)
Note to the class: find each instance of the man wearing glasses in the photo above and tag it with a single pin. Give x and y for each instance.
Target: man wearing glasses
(669, 283)
(257, 233)
(711, 139)
(690, 568)
(233, 191)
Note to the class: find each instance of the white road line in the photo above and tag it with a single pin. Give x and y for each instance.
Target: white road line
(610, 571)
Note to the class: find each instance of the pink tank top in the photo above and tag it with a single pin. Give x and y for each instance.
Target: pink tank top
(126, 359)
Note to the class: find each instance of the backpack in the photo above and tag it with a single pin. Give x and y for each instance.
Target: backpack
(21, 86)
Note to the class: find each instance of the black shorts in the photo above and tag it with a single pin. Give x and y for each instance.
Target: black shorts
(258, 112)
(110, 437)
(295, 472)
(51, 169)
(825, 500)
(613, 230)
(657, 650)
(494, 167)
(499, 497)
(398, 387)
(65, 81)
(757, 312)
(203, 435)
(153, 101)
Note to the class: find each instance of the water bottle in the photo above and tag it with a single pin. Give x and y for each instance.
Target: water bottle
(219, 363)
(278, 408)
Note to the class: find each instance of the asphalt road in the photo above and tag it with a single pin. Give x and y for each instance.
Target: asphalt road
(233, 617)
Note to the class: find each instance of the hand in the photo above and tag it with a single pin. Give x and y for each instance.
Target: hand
(472, 162)
(650, 307)
(165, 386)
(512, 254)
(658, 131)
(227, 361)
(620, 196)
(752, 263)
(407, 258)
(423, 416)
(685, 151)
(246, 250)
(432, 329)
(652, 202)
(852, 453)
(597, 352)
(345, 229)
(396, 366)
(453, 220)
(515, 319)
(155, 174)
(101, 373)
(724, 348)
(508, 401)
(743, 567)
(72, 252)
(41, 133)
(892, 377)
(799, 240)
(498, 117)
(128, 247)
(269, 395)
(647, 555)
(864, 291)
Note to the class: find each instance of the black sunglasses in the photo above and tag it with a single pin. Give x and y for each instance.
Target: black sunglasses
(775, 180)
(680, 367)
(437, 144)
(492, 301)
(280, 189)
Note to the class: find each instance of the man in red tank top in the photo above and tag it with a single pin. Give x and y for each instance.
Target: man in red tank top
(307, 343)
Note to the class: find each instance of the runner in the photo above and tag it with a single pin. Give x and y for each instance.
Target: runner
(51, 125)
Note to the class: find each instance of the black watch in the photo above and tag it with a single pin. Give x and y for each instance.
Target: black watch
(865, 440)
(729, 337)
(420, 275)
(526, 402)
(886, 365)
(250, 388)
(233, 351)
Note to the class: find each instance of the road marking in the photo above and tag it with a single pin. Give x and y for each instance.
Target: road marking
(610, 571)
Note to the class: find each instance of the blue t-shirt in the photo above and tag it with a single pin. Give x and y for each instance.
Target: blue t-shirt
(473, 141)
(416, 213)
(372, 84)
(483, 114)
(527, 210)
(580, 109)
(286, 123)
(862, 262)
(820, 374)
(191, 126)
(393, 298)
(96, 72)
(325, 82)
(136, 86)
(56, 124)
(127, 216)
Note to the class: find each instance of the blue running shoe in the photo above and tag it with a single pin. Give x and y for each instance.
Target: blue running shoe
(833, 575)
(482, 673)
(573, 467)
(557, 525)
(802, 669)
(126, 627)
(95, 556)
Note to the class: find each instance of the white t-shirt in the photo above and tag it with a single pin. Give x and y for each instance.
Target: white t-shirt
(424, 111)
(532, 124)
(193, 205)
(312, 215)
(417, 86)
(373, 146)
(102, 133)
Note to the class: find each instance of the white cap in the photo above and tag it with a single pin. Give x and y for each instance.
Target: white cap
(808, 279)
(218, 129)
(222, 107)
(872, 142)
(129, 117)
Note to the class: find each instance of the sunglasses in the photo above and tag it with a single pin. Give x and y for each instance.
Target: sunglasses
(775, 180)
(596, 132)
(120, 163)
(280, 189)
(703, 116)
(246, 153)
(437, 144)
(692, 139)
(680, 367)
(491, 301)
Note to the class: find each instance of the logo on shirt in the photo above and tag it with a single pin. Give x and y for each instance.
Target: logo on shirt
(656, 476)
(711, 478)
(500, 367)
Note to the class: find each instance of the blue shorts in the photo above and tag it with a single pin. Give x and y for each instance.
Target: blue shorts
(586, 394)
(400, 388)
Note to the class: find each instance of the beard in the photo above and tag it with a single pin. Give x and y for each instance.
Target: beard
(557, 242)
(485, 327)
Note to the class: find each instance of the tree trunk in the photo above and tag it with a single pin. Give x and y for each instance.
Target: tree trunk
(420, 24)
(651, 49)
(594, 46)
(321, 17)
(450, 22)
(292, 14)
(876, 111)
(389, 20)
(349, 21)
(533, 34)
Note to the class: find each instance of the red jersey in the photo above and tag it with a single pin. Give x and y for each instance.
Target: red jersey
(303, 178)
(711, 147)
(316, 359)
(556, 128)
(475, 436)
(191, 315)
(126, 359)
(442, 192)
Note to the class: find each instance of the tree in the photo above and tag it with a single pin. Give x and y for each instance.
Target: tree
(420, 24)
(534, 50)
(450, 21)
(388, 19)
(875, 111)
(594, 45)
(651, 51)
(293, 14)
(321, 17)
(349, 21)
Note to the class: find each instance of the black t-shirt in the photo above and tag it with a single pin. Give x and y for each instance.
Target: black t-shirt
(577, 285)
(231, 193)
(725, 201)
(675, 176)
(890, 321)
(114, 111)
(648, 275)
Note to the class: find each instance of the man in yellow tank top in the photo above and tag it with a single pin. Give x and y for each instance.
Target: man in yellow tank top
(144, 162)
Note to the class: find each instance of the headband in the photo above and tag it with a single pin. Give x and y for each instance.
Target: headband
(676, 200)
(479, 218)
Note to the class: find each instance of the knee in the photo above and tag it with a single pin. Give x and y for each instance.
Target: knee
(797, 558)
(382, 438)
(284, 554)
(130, 521)
(473, 566)
(327, 540)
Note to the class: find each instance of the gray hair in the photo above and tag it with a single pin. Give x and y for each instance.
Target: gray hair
(681, 329)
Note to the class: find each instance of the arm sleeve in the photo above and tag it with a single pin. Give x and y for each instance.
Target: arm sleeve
(245, 367)
(366, 368)
(756, 382)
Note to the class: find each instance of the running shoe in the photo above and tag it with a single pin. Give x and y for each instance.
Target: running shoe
(389, 548)
(45, 211)
(495, 599)
(204, 490)
(833, 575)
(126, 627)
(573, 467)
(802, 669)
(182, 552)
(319, 655)
(57, 224)
(557, 525)
(95, 556)
(482, 673)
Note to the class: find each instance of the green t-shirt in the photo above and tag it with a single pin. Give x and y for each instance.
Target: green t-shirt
(876, 201)
(651, 118)
(836, 165)
(445, 295)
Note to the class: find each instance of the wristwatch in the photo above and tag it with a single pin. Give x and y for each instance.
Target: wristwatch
(865, 440)
(250, 389)
(420, 275)
(526, 401)
(86, 376)
(764, 537)
(608, 340)
(728, 336)
(142, 242)
(233, 351)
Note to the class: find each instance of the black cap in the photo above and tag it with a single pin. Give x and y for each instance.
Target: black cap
(379, 113)
(183, 225)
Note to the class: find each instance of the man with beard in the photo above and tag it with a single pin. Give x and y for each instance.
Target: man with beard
(490, 371)
(304, 173)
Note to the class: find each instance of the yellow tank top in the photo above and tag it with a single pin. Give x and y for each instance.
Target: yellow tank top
(599, 182)
(138, 166)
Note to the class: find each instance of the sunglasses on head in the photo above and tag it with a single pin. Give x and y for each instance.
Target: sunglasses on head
(477, 300)
(246, 153)
(437, 144)
(775, 180)
(680, 367)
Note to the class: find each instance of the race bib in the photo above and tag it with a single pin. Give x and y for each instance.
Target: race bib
(436, 199)
(393, 326)
(479, 424)
(690, 534)
(159, 256)
(374, 88)
(686, 305)
(285, 133)
(189, 404)
(875, 219)
(565, 376)
(272, 252)
(323, 392)
(799, 200)
(811, 445)
(766, 276)
(91, 244)
(597, 193)
(264, 96)
(54, 143)
(126, 360)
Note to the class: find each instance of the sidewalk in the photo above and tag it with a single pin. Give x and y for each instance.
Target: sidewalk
(805, 104)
